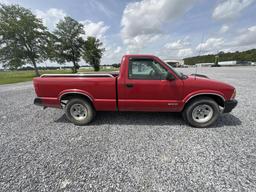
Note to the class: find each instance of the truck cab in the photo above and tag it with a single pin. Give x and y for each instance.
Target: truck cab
(147, 84)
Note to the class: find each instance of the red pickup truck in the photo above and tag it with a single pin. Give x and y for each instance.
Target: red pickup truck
(144, 83)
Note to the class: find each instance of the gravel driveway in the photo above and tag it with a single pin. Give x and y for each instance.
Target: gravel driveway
(41, 151)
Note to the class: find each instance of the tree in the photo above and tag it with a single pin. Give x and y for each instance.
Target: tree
(249, 55)
(23, 37)
(68, 42)
(93, 52)
(116, 65)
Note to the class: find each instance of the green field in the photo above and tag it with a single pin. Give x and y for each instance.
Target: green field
(7, 77)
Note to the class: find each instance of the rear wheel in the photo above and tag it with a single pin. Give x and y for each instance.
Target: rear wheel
(201, 112)
(79, 111)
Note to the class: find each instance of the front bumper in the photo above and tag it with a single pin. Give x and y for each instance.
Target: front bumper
(229, 105)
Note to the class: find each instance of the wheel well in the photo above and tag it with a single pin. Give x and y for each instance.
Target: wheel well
(66, 97)
(218, 99)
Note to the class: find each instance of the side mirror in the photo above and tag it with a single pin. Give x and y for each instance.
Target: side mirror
(170, 77)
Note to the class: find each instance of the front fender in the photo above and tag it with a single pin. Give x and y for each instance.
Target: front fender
(203, 92)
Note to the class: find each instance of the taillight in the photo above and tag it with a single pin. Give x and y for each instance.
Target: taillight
(233, 95)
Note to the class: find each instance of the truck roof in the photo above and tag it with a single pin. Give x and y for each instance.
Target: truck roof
(138, 55)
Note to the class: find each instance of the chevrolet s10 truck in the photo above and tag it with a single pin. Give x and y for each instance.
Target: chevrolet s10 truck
(145, 83)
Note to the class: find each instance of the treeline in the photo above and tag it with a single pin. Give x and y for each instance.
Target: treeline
(249, 55)
(25, 40)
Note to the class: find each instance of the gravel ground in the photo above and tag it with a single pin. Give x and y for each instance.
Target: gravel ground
(41, 151)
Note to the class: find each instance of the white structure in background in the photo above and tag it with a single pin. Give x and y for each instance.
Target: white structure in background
(228, 63)
(235, 63)
(174, 62)
(204, 64)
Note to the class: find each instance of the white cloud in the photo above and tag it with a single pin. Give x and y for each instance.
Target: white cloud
(136, 44)
(97, 4)
(179, 44)
(229, 9)
(178, 49)
(117, 50)
(224, 28)
(246, 38)
(185, 53)
(112, 54)
(97, 29)
(142, 21)
(211, 45)
(174, 45)
(50, 17)
(6, 2)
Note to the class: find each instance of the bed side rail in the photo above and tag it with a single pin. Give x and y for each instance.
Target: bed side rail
(78, 75)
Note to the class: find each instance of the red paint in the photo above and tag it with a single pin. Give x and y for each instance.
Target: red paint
(145, 95)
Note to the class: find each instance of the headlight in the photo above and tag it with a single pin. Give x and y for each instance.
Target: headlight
(233, 95)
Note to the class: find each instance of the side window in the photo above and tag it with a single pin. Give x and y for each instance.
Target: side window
(147, 69)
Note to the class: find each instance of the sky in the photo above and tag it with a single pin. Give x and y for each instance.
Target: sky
(170, 29)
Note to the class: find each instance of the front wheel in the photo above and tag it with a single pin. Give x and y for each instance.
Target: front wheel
(79, 111)
(201, 112)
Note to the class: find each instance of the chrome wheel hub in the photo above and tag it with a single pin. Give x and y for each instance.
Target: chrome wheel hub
(78, 112)
(202, 113)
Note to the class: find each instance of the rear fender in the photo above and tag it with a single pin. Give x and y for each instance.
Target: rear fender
(75, 91)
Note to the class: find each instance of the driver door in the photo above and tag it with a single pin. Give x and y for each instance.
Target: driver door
(146, 87)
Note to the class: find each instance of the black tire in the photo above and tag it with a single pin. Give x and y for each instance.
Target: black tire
(90, 111)
(206, 101)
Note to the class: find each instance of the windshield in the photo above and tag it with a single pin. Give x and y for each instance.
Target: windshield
(179, 74)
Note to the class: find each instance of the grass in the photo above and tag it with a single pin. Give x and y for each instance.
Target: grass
(7, 77)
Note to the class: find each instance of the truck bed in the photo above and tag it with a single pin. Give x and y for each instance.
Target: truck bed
(99, 87)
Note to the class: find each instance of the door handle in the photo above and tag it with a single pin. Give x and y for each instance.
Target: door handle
(129, 85)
